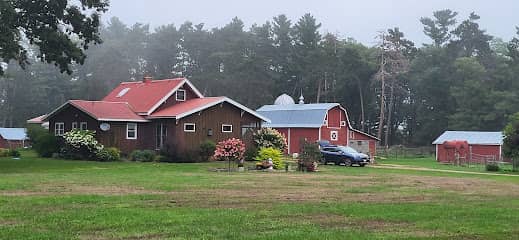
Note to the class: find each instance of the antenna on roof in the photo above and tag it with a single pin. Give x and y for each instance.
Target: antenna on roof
(301, 98)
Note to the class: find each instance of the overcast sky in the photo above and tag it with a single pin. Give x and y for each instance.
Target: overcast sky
(357, 19)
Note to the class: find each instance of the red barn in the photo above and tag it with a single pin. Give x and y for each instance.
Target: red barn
(168, 114)
(12, 138)
(314, 122)
(482, 146)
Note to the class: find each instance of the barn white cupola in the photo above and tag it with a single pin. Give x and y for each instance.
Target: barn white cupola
(301, 99)
(284, 99)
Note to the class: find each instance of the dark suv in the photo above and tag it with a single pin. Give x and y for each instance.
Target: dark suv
(343, 155)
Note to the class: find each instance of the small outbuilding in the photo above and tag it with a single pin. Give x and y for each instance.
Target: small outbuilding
(12, 138)
(482, 146)
(314, 122)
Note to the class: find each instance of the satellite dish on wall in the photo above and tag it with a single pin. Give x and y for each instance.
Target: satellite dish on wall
(104, 126)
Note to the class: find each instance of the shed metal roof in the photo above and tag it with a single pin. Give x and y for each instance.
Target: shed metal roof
(472, 137)
(13, 133)
(296, 115)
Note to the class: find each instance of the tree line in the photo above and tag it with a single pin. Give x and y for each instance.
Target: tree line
(464, 79)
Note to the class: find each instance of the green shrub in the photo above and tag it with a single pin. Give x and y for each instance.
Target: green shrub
(272, 153)
(492, 167)
(45, 144)
(207, 149)
(142, 155)
(35, 131)
(251, 153)
(14, 153)
(109, 155)
(4, 152)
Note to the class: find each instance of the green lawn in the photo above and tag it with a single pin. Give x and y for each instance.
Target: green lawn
(430, 162)
(58, 199)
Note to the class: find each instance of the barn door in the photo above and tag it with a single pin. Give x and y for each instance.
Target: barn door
(361, 146)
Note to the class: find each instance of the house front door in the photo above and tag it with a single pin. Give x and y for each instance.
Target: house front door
(161, 134)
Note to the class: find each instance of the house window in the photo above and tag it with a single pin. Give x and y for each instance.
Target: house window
(131, 131)
(334, 135)
(74, 125)
(226, 128)
(343, 123)
(189, 127)
(83, 126)
(181, 95)
(59, 129)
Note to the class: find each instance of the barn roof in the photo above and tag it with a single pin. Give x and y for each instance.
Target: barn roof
(146, 96)
(189, 107)
(13, 133)
(472, 137)
(296, 115)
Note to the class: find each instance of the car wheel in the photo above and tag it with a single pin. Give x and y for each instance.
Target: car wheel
(347, 162)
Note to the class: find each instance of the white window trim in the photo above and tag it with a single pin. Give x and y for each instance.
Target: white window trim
(81, 126)
(56, 129)
(343, 123)
(74, 125)
(188, 124)
(336, 134)
(128, 127)
(226, 125)
(176, 95)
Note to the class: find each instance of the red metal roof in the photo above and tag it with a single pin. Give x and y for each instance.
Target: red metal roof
(108, 111)
(37, 120)
(186, 107)
(144, 96)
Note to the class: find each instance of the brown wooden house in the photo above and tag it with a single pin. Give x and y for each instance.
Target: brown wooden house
(157, 114)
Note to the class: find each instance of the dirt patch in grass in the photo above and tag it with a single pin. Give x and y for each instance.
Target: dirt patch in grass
(337, 221)
(251, 190)
(72, 189)
(465, 186)
(5, 222)
(99, 236)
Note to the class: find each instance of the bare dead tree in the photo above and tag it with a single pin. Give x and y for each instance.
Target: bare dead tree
(381, 76)
(393, 63)
(398, 64)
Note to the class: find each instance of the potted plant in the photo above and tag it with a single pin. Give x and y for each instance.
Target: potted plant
(309, 157)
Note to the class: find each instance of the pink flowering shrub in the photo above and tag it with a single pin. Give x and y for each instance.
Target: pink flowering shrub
(231, 149)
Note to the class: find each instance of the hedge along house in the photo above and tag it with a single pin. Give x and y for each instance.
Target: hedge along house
(12, 138)
(314, 122)
(166, 114)
(483, 146)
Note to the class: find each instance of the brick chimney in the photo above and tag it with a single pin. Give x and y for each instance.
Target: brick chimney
(147, 79)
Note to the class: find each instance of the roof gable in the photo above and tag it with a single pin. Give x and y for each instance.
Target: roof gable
(472, 137)
(184, 109)
(102, 111)
(146, 97)
(13, 133)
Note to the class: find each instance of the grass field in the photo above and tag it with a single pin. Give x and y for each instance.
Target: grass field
(57, 199)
